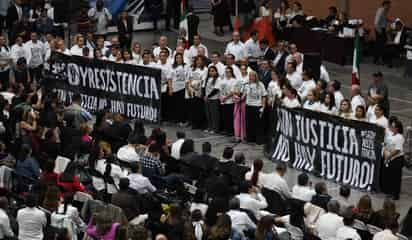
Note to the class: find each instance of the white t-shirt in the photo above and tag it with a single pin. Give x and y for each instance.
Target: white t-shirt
(346, 232)
(338, 97)
(140, 183)
(179, 76)
(382, 121)
(131, 62)
(303, 193)
(324, 75)
(116, 173)
(254, 93)
(4, 58)
(156, 51)
(304, 89)
(290, 103)
(356, 101)
(193, 51)
(18, 51)
(236, 72)
(225, 87)
(325, 109)
(197, 77)
(395, 142)
(78, 51)
(274, 91)
(31, 222)
(128, 153)
(370, 113)
(210, 86)
(295, 79)
(35, 53)
(236, 49)
(327, 226)
(314, 106)
(166, 74)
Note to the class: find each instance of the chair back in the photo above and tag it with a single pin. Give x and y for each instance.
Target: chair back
(374, 229)
(276, 204)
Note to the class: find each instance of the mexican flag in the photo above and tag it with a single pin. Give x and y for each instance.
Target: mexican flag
(356, 60)
(183, 18)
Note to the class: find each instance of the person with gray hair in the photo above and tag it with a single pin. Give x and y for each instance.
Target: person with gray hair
(240, 220)
(329, 223)
(357, 99)
(275, 181)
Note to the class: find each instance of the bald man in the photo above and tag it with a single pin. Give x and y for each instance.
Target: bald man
(236, 47)
(357, 98)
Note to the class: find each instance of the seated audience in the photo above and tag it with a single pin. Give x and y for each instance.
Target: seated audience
(321, 198)
(303, 189)
(329, 223)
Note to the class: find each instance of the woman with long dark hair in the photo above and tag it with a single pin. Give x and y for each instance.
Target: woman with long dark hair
(256, 173)
(211, 97)
(180, 73)
(226, 100)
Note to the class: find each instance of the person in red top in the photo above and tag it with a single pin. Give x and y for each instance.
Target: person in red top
(68, 182)
(48, 176)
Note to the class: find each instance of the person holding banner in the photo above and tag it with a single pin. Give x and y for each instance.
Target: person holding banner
(393, 161)
(255, 94)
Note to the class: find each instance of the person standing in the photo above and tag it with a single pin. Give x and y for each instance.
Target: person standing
(101, 17)
(173, 11)
(197, 77)
(211, 97)
(4, 5)
(393, 163)
(31, 220)
(14, 15)
(378, 92)
(226, 100)
(255, 94)
(236, 48)
(5, 63)
(35, 60)
(125, 28)
(381, 23)
(221, 16)
(179, 74)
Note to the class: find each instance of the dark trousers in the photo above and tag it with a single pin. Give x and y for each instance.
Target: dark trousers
(125, 42)
(212, 109)
(5, 79)
(36, 74)
(2, 23)
(178, 107)
(173, 11)
(391, 179)
(227, 117)
(391, 52)
(197, 113)
(165, 110)
(254, 125)
(379, 45)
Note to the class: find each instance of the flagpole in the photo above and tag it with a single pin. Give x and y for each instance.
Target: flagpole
(237, 8)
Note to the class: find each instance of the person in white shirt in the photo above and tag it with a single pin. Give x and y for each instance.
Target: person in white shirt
(5, 229)
(303, 191)
(236, 47)
(329, 223)
(274, 89)
(5, 63)
(18, 50)
(132, 151)
(66, 212)
(230, 62)
(357, 99)
(343, 199)
(185, 53)
(115, 172)
(218, 64)
(211, 97)
(394, 157)
(240, 220)
(252, 47)
(290, 99)
(275, 181)
(251, 199)
(334, 87)
(194, 48)
(166, 78)
(345, 110)
(31, 220)
(379, 118)
(292, 51)
(255, 93)
(137, 52)
(177, 145)
(77, 49)
(294, 77)
(101, 16)
(147, 60)
(179, 74)
(328, 106)
(307, 84)
(162, 44)
(324, 75)
(227, 106)
(312, 101)
(35, 56)
(347, 231)
(197, 76)
(61, 47)
(139, 182)
(390, 231)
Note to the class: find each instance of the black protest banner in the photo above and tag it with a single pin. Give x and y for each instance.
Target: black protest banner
(123, 88)
(340, 150)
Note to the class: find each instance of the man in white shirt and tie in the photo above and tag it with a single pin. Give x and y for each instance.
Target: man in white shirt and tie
(236, 47)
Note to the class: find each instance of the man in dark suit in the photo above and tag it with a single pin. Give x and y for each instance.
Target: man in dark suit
(396, 43)
(173, 11)
(268, 53)
(125, 29)
(14, 15)
(280, 57)
(264, 72)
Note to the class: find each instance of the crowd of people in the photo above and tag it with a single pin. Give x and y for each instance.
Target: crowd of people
(66, 173)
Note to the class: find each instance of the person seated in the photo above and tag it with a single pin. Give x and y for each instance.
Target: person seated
(133, 151)
(127, 200)
(198, 203)
(69, 182)
(226, 163)
(177, 145)
(303, 190)
(138, 182)
(27, 166)
(388, 211)
(275, 181)
(329, 223)
(321, 198)
(396, 42)
(151, 165)
(295, 222)
(347, 231)
(343, 198)
(364, 211)
(240, 220)
(390, 231)
(48, 176)
(251, 199)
